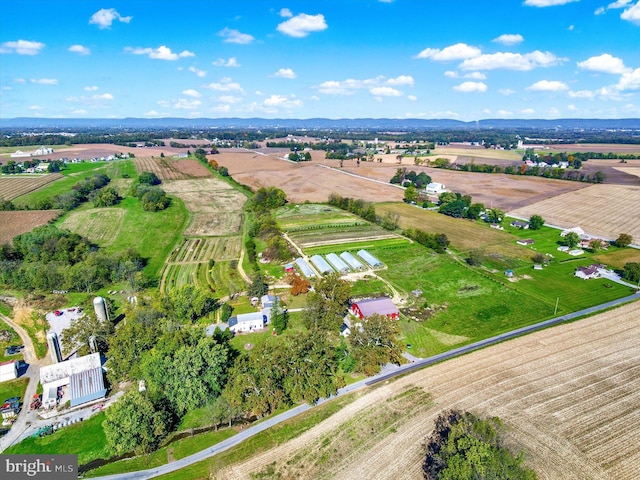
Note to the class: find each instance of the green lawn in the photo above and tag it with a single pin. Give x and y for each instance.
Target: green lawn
(14, 340)
(85, 439)
(14, 388)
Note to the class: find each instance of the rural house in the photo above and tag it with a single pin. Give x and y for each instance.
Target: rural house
(382, 306)
(247, 322)
(520, 224)
(592, 271)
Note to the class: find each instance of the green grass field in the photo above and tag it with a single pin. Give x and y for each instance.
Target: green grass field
(76, 172)
(14, 340)
(14, 388)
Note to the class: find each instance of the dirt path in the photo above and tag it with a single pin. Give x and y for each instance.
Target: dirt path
(567, 395)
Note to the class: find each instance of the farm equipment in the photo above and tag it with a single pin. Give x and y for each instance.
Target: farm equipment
(36, 402)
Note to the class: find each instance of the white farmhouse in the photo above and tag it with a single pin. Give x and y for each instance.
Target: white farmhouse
(434, 188)
(247, 322)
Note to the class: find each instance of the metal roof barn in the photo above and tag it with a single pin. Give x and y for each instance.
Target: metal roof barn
(87, 386)
(321, 264)
(305, 268)
(337, 263)
(370, 259)
(352, 261)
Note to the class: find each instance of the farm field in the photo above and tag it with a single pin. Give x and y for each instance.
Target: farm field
(465, 235)
(603, 211)
(302, 181)
(203, 249)
(169, 169)
(215, 206)
(567, 395)
(506, 192)
(100, 225)
(12, 186)
(74, 174)
(16, 223)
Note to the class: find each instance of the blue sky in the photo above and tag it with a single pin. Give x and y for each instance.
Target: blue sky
(460, 59)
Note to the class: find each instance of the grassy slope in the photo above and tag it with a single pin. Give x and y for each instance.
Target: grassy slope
(14, 388)
(14, 340)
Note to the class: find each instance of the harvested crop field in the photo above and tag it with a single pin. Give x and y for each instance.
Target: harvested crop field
(203, 249)
(465, 235)
(601, 210)
(215, 206)
(568, 397)
(15, 185)
(100, 225)
(506, 192)
(16, 223)
(169, 169)
(302, 181)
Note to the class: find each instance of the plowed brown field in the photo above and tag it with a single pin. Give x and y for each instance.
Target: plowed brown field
(13, 186)
(169, 169)
(16, 223)
(568, 396)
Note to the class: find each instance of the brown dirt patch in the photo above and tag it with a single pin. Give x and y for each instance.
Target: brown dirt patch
(16, 223)
(15, 185)
(568, 397)
(602, 211)
(192, 168)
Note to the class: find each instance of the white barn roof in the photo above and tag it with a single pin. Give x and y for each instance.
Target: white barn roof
(58, 371)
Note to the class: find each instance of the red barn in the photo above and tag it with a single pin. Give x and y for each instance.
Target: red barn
(382, 306)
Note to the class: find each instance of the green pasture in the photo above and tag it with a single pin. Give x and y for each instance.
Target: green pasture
(76, 172)
(387, 243)
(14, 340)
(14, 388)
(291, 217)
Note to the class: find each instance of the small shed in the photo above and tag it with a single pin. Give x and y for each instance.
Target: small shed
(8, 371)
(509, 273)
(525, 241)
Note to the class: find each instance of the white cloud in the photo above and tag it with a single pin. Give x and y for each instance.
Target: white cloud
(161, 53)
(22, 47)
(509, 39)
(283, 101)
(604, 63)
(105, 17)
(19, 80)
(476, 76)
(221, 109)
(512, 61)
(234, 36)
(401, 80)
(571, 27)
(611, 6)
(504, 113)
(92, 88)
(572, 108)
(191, 93)
(350, 86)
(104, 96)
(198, 72)
(451, 74)
(232, 62)
(79, 111)
(581, 94)
(79, 49)
(302, 25)
(225, 85)
(413, 98)
(285, 73)
(229, 99)
(94, 101)
(35, 107)
(151, 113)
(506, 91)
(164, 103)
(600, 11)
(471, 87)
(45, 81)
(184, 104)
(629, 80)
(285, 13)
(547, 3)
(385, 92)
(548, 86)
(632, 14)
(527, 111)
(459, 51)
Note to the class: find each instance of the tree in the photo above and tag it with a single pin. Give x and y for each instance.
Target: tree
(456, 209)
(279, 317)
(375, 343)
(536, 222)
(446, 197)
(474, 210)
(410, 194)
(133, 423)
(540, 258)
(572, 239)
(494, 215)
(623, 240)
(188, 303)
(149, 178)
(463, 446)
(82, 330)
(299, 285)
(258, 287)
(631, 271)
(327, 305)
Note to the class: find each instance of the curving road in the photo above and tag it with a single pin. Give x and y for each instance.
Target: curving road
(385, 375)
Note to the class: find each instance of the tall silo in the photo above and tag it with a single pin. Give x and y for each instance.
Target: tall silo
(100, 307)
(54, 347)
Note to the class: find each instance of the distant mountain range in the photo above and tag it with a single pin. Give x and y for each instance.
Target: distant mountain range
(390, 124)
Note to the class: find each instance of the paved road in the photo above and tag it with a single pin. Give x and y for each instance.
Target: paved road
(385, 375)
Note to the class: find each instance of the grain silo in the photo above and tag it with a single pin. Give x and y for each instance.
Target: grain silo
(54, 347)
(100, 307)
